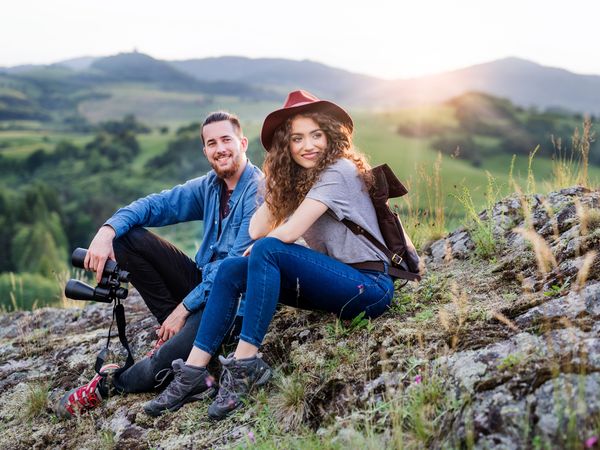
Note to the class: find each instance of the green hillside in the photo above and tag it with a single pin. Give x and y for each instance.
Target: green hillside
(58, 97)
(493, 130)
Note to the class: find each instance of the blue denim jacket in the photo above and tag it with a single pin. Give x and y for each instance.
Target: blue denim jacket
(198, 199)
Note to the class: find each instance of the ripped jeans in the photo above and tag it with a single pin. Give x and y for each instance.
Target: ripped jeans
(293, 275)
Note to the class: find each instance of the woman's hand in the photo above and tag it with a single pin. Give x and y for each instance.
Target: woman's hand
(248, 251)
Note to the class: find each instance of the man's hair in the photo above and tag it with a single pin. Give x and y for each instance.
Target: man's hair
(220, 116)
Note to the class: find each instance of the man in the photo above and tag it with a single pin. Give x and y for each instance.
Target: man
(173, 286)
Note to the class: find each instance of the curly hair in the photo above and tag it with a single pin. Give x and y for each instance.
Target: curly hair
(287, 183)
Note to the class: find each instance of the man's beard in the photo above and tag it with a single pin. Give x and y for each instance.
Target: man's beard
(226, 173)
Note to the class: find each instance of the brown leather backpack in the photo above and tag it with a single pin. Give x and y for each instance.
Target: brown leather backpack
(404, 259)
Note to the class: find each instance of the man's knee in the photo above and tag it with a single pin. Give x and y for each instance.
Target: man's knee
(130, 241)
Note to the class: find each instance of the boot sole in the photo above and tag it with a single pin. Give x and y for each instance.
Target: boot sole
(220, 415)
(209, 393)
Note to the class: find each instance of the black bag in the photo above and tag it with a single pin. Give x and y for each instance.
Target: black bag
(404, 259)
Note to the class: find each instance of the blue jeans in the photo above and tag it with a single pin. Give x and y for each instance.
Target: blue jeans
(293, 275)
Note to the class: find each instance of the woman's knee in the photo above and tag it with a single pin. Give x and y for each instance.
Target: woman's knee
(232, 268)
(266, 246)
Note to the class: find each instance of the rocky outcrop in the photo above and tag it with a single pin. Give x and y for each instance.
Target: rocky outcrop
(496, 352)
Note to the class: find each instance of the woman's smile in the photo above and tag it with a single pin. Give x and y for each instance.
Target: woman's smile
(307, 141)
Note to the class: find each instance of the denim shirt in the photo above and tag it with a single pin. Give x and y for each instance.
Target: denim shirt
(199, 199)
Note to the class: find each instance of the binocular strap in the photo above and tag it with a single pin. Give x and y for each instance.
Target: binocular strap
(119, 315)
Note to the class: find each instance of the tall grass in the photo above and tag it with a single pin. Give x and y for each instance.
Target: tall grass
(481, 228)
(429, 223)
(570, 166)
(581, 144)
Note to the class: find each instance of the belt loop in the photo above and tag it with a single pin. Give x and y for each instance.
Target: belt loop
(386, 268)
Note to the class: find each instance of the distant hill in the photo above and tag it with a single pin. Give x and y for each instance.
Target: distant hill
(285, 74)
(37, 92)
(523, 82)
(54, 92)
(81, 63)
(142, 68)
(483, 126)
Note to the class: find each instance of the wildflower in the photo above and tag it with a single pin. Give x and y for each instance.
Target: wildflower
(591, 442)
(251, 437)
(418, 379)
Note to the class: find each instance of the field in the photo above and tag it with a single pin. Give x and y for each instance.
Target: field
(156, 106)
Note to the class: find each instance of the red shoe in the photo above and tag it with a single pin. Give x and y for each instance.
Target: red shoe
(85, 397)
(159, 342)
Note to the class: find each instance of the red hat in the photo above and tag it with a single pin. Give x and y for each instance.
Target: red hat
(298, 102)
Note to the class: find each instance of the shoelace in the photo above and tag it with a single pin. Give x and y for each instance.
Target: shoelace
(86, 395)
(173, 387)
(160, 379)
(227, 381)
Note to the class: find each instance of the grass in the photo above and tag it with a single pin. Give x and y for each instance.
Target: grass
(481, 230)
(289, 403)
(37, 399)
(344, 328)
(158, 107)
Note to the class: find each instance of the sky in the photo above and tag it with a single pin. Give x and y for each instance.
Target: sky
(383, 38)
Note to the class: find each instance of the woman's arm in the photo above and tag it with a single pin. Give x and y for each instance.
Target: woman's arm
(305, 215)
(261, 222)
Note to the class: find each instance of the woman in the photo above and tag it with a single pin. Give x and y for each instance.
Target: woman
(314, 179)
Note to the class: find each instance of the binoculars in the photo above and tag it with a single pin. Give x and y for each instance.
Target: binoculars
(109, 288)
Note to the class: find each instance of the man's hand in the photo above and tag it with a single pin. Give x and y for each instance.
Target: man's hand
(173, 323)
(100, 250)
(248, 251)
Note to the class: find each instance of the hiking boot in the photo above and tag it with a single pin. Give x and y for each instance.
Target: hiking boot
(189, 384)
(239, 377)
(86, 397)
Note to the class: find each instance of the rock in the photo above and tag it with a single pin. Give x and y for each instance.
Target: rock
(457, 245)
(573, 306)
(439, 249)
(461, 245)
(566, 408)
(304, 334)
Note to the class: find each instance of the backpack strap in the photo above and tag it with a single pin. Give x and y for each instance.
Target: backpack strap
(378, 266)
(358, 230)
(394, 257)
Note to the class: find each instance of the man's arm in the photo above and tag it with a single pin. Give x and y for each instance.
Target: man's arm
(182, 203)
